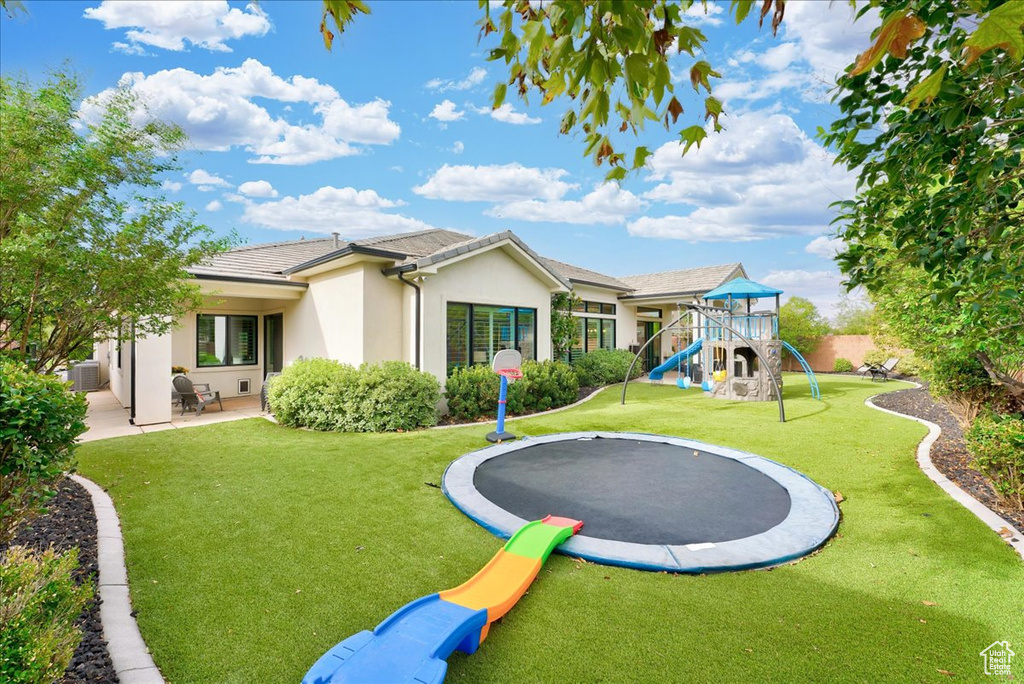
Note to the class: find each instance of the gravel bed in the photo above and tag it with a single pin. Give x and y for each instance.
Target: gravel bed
(949, 453)
(71, 522)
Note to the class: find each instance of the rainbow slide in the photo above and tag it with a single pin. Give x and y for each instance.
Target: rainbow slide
(413, 644)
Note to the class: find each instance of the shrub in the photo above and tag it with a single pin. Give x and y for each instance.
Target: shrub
(913, 365)
(605, 367)
(842, 365)
(473, 392)
(997, 444)
(876, 357)
(40, 418)
(959, 379)
(39, 603)
(545, 385)
(327, 395)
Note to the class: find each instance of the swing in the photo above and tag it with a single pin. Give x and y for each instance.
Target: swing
(720, 372)
(683, 382)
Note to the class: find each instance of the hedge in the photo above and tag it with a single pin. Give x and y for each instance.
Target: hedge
(473, 392)
(605, 367)
(997, 444)
(326, 395)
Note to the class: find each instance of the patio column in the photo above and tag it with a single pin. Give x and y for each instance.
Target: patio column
(153, 380)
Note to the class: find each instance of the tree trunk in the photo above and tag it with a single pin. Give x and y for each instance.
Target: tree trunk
(1014, 386)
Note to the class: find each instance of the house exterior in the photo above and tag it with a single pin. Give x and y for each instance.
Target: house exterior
(437, 299)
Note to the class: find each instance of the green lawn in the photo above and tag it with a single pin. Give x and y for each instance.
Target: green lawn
(254, 548)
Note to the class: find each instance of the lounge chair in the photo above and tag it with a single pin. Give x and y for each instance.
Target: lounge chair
(195, 395)
(881, 373)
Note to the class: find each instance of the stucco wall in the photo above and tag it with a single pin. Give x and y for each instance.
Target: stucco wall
(492, 277)
(384, 330)
(832, 347)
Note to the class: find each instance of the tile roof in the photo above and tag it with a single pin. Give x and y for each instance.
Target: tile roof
(690, 280)
(585, 276)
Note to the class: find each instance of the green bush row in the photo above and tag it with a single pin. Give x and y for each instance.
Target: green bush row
(997, 445)
(605, 367)
(473, 392)
(39, 603)
(330, 396)
(39, 422)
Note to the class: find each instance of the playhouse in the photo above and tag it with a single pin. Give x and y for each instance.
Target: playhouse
(734, 349)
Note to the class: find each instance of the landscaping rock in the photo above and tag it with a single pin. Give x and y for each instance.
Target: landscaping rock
(71, 522)
(949, 453)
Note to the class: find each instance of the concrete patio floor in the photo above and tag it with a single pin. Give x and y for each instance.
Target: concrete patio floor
(107, 418)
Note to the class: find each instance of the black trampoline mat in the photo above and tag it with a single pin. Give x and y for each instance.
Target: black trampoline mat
(635, 491)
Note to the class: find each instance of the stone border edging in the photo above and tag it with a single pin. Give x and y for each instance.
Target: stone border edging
(924, 461)
(132, 661)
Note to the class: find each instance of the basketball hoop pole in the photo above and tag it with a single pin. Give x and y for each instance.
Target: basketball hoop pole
(500, 435)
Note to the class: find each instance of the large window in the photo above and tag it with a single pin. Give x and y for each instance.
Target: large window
(226, 340)
(595, 333)
(475, 332)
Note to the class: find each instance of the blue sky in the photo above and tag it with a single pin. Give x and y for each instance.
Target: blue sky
(392, 131)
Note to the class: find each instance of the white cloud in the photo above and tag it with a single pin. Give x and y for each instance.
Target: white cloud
(506, 113)
(358, 213)
(169, 25)
(215, 205)
(132, 49)
(506, 183)
(458, 147)
(475, 78)
(446, 111)
(607, 204)
(760, 178)
(824, 246)
(170, 186)
(260, 188)
(218, 113)
(207, 181)
(822, 288)
(700, 14)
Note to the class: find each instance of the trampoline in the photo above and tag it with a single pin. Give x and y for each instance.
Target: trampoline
(648, 501)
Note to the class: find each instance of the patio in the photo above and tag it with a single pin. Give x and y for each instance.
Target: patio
(107, 418)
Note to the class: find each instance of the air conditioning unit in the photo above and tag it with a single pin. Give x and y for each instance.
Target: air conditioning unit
(85, 376)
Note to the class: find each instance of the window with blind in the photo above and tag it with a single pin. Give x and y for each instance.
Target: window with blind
(475, 332)
(223, 340)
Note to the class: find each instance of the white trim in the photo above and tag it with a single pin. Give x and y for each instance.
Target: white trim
(128, 653)
(924, 461)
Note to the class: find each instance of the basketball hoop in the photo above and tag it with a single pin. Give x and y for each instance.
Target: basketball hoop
(512, 374)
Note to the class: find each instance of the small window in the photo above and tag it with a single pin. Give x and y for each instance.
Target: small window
(608, 309)
(226, 340)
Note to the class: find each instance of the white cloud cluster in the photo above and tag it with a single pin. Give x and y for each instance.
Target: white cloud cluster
(475, 78)
(215, 205)
(217, 112)
(506, 113)
(260, 188)
(505, 183)
(446, 111)
(207, 181)
(760, 178)
(171, 25)
(607, 204)
(709, 13)
(170, 186)
(822, 288)
(824, 246)
(358, 213)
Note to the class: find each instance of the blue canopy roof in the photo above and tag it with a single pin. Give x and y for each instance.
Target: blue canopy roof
(742, 288)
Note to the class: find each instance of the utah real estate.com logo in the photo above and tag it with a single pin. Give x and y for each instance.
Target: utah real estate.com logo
(997, 658)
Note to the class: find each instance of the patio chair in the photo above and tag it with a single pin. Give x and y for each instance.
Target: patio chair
(264, 392)
(881, 373)
(864, 369)
(195, 395)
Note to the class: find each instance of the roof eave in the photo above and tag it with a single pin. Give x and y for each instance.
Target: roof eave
(347, 251)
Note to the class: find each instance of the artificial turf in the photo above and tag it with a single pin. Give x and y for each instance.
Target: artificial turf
(253, 548)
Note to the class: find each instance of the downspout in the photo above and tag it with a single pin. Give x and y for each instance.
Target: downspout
(419, 318)
(131, 412)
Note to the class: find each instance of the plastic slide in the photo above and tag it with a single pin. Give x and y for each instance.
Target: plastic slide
(413, 644)
(815, 392)
(674, 361)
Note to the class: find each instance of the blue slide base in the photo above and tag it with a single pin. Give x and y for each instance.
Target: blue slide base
(410, 646)
(674, 361)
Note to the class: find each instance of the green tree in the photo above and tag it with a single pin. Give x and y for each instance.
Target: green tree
(801, 325)
(88, 245)
(565, 328)
(854, 317)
